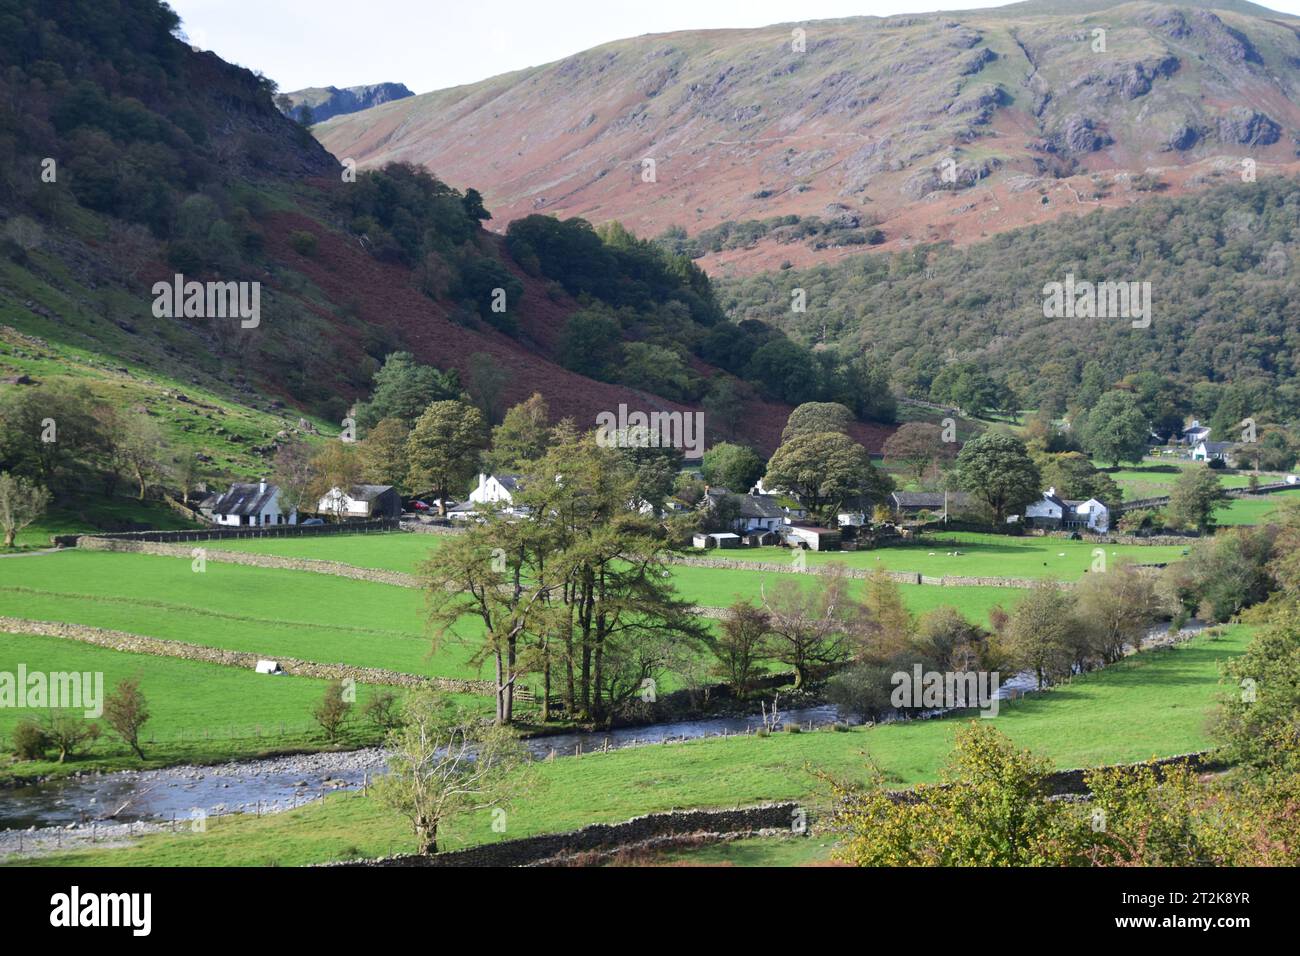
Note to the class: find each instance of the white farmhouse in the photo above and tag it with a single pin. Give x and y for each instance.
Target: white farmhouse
(1053, 511)
(251, 505)
(493, 493)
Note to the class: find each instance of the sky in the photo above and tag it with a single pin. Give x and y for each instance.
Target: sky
(434, 44)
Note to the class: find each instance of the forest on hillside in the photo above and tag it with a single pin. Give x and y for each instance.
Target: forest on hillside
(1222, 268)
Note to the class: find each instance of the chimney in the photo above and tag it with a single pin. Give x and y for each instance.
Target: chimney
(1052, 490)
(261, 487)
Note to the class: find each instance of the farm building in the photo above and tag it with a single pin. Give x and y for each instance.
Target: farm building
(361, 502)
(812, 538)
(1053, 511)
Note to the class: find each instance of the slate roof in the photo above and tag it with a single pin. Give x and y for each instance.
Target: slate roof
(367, 492)
(245, 498)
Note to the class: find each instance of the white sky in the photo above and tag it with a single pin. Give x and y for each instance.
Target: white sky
(433, 44)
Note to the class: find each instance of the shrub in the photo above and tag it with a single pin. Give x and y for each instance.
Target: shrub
(304, 243)
(30, 740)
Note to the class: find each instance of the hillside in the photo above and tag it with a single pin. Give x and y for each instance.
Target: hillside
(883, 131)
(169, 161)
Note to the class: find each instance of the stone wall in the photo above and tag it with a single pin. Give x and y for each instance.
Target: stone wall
(902, 577)
(317, 566)
(657, 830)
(609, 838)
(140, 644)
(219, 533)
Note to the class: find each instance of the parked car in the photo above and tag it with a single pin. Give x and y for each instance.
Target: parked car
(312, 521)
(418, 505)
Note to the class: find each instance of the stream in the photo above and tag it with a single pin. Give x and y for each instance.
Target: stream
(104, 806)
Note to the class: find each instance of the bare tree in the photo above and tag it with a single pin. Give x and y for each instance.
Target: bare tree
(21, 503)
(816, 626)
(443, 763)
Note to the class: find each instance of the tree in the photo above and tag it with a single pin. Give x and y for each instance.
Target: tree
(332, 712)
(495, 575)
(784, 370)
(1259, 716)
(21, 503)
(484, 382)
(741, 646)
(1197, 494)
(443, 763)
(1042, 635)
(336, 464)
(817, 417)
(589, 343)
(883, 600)
(521, 437)
(735, 467)
(1073, 476)
(1116, 609)
(67, 733)
(383, 453)
(127, 711)
(138, 448)
(50, 432)
(997, 470)
(918, 446)
(991, 809)
(824, 469)
(404, 389)
(723, 407)
(814, 627)
(294, 474)
(443, 448)
(1116, 429)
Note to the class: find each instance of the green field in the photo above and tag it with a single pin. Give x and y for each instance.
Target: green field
(201, 713)
(258, 610)
(977, 555)
(1255, 510)
(1150, 705)
(981, 555)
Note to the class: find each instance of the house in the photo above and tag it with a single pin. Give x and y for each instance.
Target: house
(909, 504)
(361, 502)
(1053, 511)
(1195, 433)
(250, 505)
(492, 493)
(755, 513)
(812, 538)
(1212, 451)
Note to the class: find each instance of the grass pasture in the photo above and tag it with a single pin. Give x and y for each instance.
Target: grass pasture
(201, 713)
(1153, 704)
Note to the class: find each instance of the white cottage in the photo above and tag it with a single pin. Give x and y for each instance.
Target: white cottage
(252, 505)
(492, 493)
(1053, 511)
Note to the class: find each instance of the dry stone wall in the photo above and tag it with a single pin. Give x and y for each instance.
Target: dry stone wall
(140, 644)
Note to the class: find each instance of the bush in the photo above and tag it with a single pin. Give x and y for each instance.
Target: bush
(30, 740)
(303, 243)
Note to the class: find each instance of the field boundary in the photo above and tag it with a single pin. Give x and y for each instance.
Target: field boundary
(704, 825)
(163, 647)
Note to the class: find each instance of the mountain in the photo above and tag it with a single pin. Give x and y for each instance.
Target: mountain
(798, 143)
(128, 158)
(325, 102)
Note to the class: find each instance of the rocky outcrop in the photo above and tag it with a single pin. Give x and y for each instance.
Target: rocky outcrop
(328, 101)
(1240, 126)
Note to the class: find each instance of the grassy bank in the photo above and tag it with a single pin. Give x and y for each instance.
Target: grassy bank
(1153, 704)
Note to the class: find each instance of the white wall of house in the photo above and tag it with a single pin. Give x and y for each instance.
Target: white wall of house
(1044, 508)
(338, 502)
(1094, 515)
(490, 491)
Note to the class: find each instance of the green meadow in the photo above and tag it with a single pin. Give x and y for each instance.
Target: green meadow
(1152, 704)
(200, 712)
